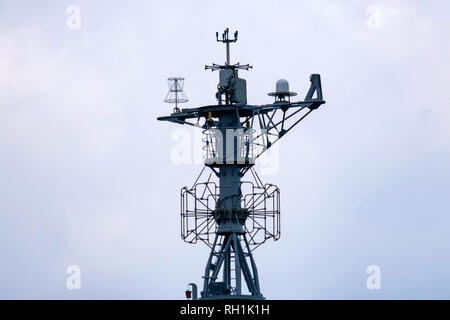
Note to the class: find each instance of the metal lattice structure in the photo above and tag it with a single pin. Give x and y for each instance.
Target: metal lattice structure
(231, 215)
(176, 94)
(261, 202)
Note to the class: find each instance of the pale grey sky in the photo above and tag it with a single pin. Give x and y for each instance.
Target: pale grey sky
(86, 176)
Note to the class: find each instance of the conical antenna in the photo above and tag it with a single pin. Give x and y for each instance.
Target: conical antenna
(176, 94)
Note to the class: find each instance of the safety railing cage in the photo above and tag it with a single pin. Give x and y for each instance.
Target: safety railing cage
(260, 201)
(214, 151)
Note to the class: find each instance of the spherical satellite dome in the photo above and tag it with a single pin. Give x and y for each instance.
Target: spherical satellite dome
(282, 89)
(282, 86)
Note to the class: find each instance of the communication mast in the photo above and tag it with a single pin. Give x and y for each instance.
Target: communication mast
(231, 215)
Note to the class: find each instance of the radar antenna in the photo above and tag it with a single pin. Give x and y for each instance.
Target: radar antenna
(176, 94)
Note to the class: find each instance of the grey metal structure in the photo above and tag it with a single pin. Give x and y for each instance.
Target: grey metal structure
(176, 94)
(230, 215)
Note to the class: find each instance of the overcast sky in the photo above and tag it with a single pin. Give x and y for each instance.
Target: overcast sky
(87, 178)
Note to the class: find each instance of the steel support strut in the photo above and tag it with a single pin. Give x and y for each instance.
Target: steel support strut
(229, 257)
